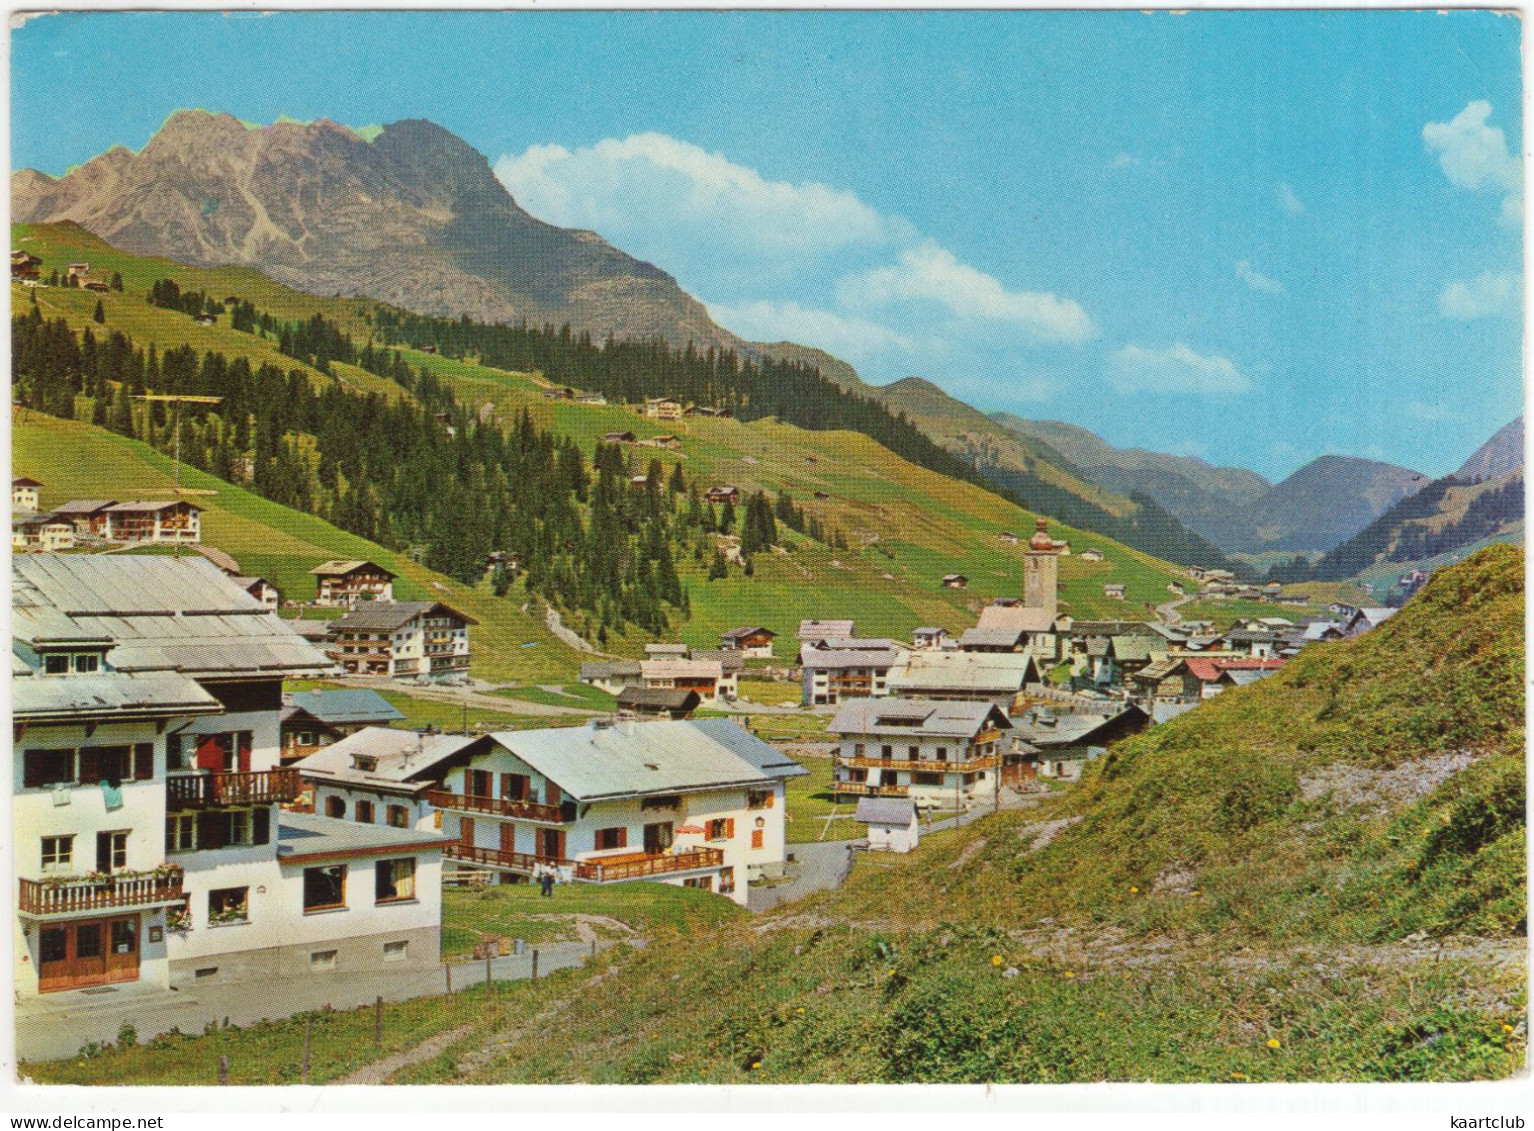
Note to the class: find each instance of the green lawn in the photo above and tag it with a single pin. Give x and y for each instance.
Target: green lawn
(772, 693)
(569, 695)
(810, 803)
(518, 911)
(421, 714)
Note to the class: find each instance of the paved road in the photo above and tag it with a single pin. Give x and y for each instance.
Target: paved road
(56, 1026)
(817, 866)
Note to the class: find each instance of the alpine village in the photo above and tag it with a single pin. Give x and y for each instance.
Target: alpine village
(470, 695)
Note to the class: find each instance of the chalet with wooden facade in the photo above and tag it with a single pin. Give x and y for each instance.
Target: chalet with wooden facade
(752, 641)
(380, 776)
(314, 719)
(657, 703)
(402, 639)
(1063, 743)
(698, 803)
(725, 494)
(342, 583)
(938, 753)
(26, 494)
(174, 520)
(149, 838)
(31, 530)
(663, 408)
(996, 677)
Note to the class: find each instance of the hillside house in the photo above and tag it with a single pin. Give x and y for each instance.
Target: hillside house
(1188, 678)
(1011, 628)
(1321, 630)
(611, 676)
(592, 400)
(669, 442)
(657, 703)
(751, 641)
(1363, 620)
(25, 265)
(45, 532)
(150, 841)
(698, 803)
(173, 520)
(618, 437)
(706, 677)
(720, 495)
(1009, 538)
(929, 636)
(995, 677)
(312, 719)
(709, 411)
(663, 408)
(1114, 591)
(1091, 555)
(342, 583)
(261, 589)
(955, 581)
(560, 393)
(836, 668)
(1065, 742)
(402, 639)
(26, 494)
(813, 630)
(936, 753)
(891, 821)
(379, 776)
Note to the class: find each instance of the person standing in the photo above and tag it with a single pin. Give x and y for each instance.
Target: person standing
(546, 881)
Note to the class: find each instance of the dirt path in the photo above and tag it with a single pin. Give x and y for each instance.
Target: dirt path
(475, 699)
(380, 1071)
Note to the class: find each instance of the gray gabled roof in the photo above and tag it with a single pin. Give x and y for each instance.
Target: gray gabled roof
(340, 568)
(635, 759)
(108, 694)
(925, 718)
(346, 705)
(305, 836)
(1000, 672)
(390, 616)
(406, 760)
(162, 614)
(899, 811)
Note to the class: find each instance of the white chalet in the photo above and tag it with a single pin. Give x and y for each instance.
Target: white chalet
(698, 803)
(835, 668)
(380, 776)
(147, 830)
(401, 638)
(935, 752)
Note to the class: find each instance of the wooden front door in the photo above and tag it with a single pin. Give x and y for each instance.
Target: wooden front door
(551, 842)
(89, 952)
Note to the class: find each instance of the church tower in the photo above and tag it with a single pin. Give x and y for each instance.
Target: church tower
(1041, 566)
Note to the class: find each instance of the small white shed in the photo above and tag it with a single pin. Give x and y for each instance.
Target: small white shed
(891, 823)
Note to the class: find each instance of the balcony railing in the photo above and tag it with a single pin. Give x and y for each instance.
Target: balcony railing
(259, 787)
(498, 807)
(104, 893)
(863, 789)
(501, 858)
(926, 765)
(611, 869)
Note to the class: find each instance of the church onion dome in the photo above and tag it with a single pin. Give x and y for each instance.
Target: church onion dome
(1041, 539)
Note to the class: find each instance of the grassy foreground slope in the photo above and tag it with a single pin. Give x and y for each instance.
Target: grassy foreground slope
(1319, 877)
(80, 461)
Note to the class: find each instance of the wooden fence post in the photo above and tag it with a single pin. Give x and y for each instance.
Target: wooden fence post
(378, 1021)
(535, 964)
(448, 969)
(308, 1024)
(223, 1070)
(593, 948)
(487, 973)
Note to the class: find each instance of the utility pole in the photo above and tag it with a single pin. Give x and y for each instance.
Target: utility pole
(176, 401)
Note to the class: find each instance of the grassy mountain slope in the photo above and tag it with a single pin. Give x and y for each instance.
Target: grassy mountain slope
(79, 461)
(901, 520)
(1319, 877)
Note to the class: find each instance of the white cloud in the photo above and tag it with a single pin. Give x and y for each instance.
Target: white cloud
(1288, 201)
(1489, 293)
(1174, 369)
(930, 274)
(1123, 161)
(1256, 279)
(765, 321)
(653, 184)
(1474, 156)
(1431, 413)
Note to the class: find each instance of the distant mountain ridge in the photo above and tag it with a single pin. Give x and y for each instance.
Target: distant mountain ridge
(1318, 507)
(410, 215)
(1497, 456)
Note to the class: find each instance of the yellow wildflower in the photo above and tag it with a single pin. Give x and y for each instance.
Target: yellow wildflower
(890, 973)
(1506, 1028)
(995, 960)
(799, 1010)
(1133, 890)
(1273, 1042)
(1070, 973)
(756, 1065)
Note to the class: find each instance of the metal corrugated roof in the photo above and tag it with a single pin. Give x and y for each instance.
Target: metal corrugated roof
(346, 705)
(74, 695)
(813, 658)
(632, 759)
(898, 811)
(921, 718)
(401, 755)
(163, 614)
(305, 835)
(967, 671)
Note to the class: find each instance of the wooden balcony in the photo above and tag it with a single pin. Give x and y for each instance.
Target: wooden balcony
(921, 766)
(524, 862)
(205, 790)
(639, 866)
(46, 898)
(863, 789)
(499, 807)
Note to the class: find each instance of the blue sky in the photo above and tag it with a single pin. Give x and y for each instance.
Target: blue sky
(1251, 237)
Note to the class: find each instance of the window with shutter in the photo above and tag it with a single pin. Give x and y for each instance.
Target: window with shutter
(729, 828)
(143, 761)
(261, 826)
(757, 838)
(212, 830)
(90, 766)
(42, 768)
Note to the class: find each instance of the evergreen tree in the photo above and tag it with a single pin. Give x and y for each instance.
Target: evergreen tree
(117, 281)
(100, 314)
(717, 569)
